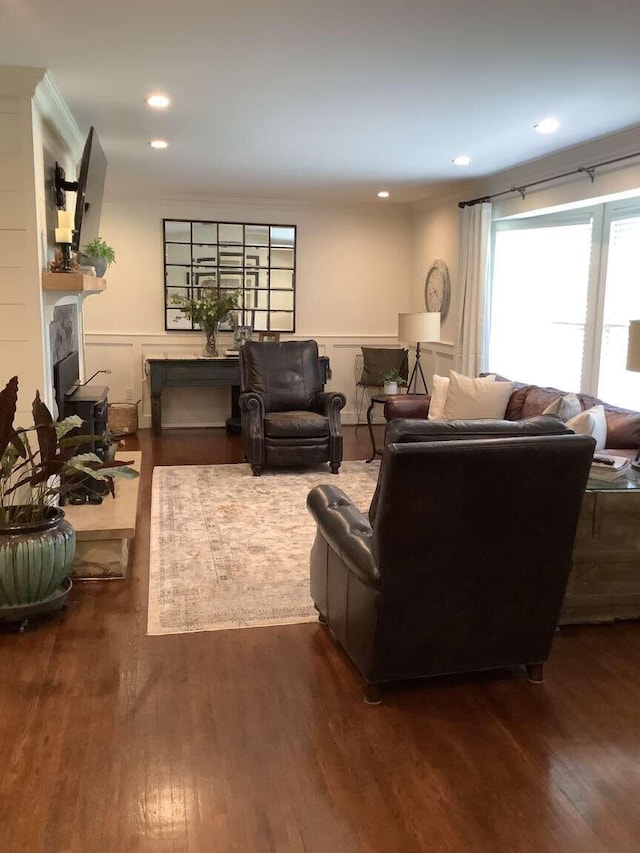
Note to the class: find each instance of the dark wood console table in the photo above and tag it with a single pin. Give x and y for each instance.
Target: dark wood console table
(193, 372)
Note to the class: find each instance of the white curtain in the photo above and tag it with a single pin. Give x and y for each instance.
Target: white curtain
(473, 270)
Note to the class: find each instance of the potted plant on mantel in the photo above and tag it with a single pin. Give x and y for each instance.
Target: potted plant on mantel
(99, 255)
(37, 544)
(207, 306)
(391, 381)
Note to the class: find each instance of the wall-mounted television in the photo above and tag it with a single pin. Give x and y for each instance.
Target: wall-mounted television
(90, 190)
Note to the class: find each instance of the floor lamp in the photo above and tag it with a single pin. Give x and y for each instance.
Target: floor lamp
(421, 327)
(633, 363)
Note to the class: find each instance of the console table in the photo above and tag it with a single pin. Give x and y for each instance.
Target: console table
(194, 372)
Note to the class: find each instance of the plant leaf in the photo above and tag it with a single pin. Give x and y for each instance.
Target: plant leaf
(66, 425)
(47, 439)
(8, 403)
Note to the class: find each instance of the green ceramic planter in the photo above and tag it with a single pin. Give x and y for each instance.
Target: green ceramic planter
(35, 559)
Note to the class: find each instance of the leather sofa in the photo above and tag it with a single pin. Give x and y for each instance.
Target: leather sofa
(463, 562)
(286, 416)
(623, 425)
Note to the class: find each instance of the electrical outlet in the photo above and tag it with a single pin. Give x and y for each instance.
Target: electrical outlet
(128, 393)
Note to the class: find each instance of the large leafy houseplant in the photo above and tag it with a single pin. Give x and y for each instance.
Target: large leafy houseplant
(207, 306)
(33, 478)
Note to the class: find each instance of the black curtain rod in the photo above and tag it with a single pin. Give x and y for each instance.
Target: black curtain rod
(588, 170)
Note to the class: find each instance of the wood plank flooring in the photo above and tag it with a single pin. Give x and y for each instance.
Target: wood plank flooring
(258, 740)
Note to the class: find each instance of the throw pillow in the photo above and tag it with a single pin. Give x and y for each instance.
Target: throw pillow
(439, 389)
(377, 360)
(469, 398)
(591, 422)
(564, 407)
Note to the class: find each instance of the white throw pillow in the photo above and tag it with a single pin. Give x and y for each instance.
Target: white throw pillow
(564, 407)
(469, 398)
(591, 422)
(439, 389)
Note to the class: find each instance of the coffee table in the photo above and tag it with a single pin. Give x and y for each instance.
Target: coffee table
(604, 584)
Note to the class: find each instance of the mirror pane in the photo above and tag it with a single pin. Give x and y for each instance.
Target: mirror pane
(282, 258)
(177, 232)
(256, 278)
(231, 256)
(282, 279)
(177, 276)
(205, 232)
(205, 279)
(282, 236)
(260, 321)
(256, 235)
(256, 256)
(205, 255)
(281, 321)
(228, 233)
(230, 279)
(177, 253)
(281, 301)
(177, 320)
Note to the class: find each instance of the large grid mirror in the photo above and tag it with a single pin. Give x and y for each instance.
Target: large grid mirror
(259, 261)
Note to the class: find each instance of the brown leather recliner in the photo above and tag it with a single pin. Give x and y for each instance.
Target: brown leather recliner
(287, 418)
(465, 562)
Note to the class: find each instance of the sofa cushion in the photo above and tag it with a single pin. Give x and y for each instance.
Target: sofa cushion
(537, 399)
(475, 398)
(591, 422)
(295, 424)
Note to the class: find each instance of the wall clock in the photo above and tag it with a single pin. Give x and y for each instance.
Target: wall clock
(437, 289)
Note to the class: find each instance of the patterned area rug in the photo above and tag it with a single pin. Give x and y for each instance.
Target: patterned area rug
(229, 550)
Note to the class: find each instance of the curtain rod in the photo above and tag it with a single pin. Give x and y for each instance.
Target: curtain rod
(589, 170)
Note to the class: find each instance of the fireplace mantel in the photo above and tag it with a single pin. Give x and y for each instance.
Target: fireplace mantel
(70, 282)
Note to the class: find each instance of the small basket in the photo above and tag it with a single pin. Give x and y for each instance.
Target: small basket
(123, 418)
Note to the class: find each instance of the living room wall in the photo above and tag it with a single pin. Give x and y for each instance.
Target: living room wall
(353, 277)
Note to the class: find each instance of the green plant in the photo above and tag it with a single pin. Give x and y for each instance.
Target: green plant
(32, 479)
(392, 375)
(207, 305)
(99, 249)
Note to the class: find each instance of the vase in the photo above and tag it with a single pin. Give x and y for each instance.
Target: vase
(99, 264)
(35, 560)
(390, 388)
(209, 342)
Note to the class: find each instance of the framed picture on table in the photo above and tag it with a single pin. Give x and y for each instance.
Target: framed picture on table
(241, 334)
(269, 337)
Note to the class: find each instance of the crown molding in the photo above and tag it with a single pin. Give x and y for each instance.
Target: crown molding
(53, 108)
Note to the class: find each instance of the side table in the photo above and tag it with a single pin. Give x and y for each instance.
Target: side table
(381, 399)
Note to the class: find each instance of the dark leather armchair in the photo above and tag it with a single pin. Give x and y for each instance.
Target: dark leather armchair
(287, 418)
(465, 561)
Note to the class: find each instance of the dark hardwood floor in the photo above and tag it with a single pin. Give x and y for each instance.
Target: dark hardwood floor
(258, 740)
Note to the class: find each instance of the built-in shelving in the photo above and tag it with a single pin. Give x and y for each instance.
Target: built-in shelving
(72, 282)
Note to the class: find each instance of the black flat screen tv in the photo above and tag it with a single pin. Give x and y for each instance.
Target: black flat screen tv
(91, 177)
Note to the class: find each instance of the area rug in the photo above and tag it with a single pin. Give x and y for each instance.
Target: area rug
(229, 550)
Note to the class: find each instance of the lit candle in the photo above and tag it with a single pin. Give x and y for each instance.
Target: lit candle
(65, 220)
(64, 235)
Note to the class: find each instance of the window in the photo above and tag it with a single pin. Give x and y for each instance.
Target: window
(563, 290)
(259, 261)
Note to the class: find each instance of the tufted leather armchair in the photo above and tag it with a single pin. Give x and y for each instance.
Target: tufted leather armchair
(464, 563)
(287, 419)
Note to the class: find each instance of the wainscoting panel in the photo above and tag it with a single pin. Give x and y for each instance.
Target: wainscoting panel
(124, 356)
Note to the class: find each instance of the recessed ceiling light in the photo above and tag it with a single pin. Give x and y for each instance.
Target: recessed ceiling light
(383, 194)
(547, 125)
(159, 143)
(462, 160)
(158, 101)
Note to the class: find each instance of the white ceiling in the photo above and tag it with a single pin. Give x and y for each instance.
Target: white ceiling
(330, 99)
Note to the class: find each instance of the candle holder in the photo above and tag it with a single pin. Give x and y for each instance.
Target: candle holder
(66, 265)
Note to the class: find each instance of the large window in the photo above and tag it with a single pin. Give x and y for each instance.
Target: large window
(564, 287)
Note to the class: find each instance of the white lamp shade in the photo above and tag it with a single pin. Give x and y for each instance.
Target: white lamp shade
(421, 327)
(633, 347)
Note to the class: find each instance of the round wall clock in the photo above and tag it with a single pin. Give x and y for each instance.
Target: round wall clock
(437, 289)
